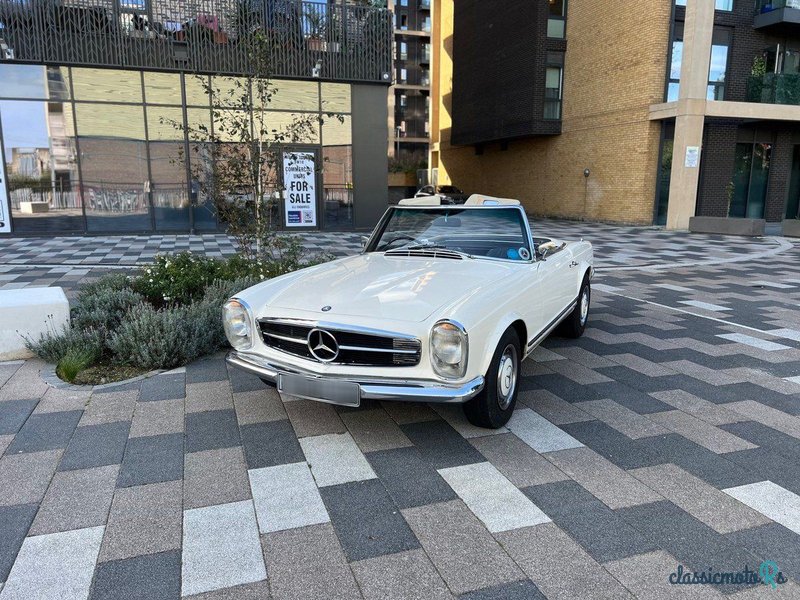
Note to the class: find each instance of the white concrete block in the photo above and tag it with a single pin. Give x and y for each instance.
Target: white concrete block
(29, 312)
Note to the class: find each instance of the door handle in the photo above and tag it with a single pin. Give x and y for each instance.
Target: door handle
(573, 264)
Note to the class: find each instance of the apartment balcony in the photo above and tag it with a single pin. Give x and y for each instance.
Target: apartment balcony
(774, 88)
(424, 4)
(304, 39)
(778, 16)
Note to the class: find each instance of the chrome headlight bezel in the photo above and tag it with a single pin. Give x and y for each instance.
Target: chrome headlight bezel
(454, 365)
(237, 320)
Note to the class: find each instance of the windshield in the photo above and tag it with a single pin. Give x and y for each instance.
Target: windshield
(497, 232)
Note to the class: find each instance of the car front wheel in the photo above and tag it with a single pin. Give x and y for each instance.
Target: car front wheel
(494, 405)
(575, 324)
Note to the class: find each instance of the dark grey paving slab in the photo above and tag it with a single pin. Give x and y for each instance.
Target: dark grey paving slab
(270, 444)
(48, 431)
(152, 459)
(366, 520)
(13, 414)
(408, 478)
(96, 446)
(245, 382)
(516, 590)
(153, 576)
(211, 369)
(611, 444)
(167, 386)
(601, 532)
(772, 542)
(211, 430)
(402, 575)
(766, 437)
(760, 461)
(631, 398)
(14, 524)
(441, 445)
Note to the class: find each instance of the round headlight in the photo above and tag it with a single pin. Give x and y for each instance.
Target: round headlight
(236, 320)
(449, 349)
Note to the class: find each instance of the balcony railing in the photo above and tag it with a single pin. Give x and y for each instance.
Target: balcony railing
(765, 6)
(774, 88)
(306, 39)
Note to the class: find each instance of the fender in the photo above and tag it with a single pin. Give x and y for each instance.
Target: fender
(493, 338)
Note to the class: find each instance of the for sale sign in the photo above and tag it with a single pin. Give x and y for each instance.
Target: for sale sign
(300, 189)
(5, 218)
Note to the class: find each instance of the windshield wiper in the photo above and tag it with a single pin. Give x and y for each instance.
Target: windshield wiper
(431, 246)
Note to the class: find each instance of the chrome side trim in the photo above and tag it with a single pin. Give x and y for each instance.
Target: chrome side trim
(539, 338)
(394, 390)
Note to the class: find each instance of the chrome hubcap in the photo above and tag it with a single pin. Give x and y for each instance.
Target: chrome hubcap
(584, 306)
(507, 376)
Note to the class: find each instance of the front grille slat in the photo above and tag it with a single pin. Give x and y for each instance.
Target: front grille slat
(355, 348)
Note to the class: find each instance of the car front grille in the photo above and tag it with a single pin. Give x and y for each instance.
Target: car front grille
(356, 348)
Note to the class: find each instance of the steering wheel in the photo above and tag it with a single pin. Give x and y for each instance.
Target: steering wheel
(397, 239)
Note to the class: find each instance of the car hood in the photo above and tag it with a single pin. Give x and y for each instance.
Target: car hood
(400, 288)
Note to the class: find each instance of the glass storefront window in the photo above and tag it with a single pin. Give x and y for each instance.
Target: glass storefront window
(110, 120)
(107, 85)
(39, 149)
(750, 179)
(336, 97)
(162, 88)
(168, 193)
(23, 81)
(295, 95)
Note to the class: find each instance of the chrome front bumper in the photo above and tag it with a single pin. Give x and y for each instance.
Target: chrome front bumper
(399, 390)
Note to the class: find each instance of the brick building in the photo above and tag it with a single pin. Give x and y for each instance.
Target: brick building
(578, 107)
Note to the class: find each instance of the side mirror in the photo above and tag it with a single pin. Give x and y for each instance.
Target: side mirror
(547, 248)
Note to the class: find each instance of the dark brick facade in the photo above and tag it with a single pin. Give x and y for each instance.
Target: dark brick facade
(720, 136)
(500, 62)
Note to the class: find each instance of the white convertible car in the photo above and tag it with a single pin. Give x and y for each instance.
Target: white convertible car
(442, 305)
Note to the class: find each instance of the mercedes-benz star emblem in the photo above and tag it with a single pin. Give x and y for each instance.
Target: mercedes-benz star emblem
(322, 345)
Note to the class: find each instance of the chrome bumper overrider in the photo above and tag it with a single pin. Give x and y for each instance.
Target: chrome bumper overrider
(409, 390)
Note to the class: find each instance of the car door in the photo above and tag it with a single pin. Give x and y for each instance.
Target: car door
(557, 287)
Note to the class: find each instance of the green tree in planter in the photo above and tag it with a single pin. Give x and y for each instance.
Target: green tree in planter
(239, 156)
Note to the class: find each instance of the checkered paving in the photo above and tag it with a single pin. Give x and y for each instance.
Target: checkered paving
(669, 434)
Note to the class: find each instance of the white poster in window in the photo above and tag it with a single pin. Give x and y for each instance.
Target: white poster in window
(692, 156)
(5, 209)
(300, 189)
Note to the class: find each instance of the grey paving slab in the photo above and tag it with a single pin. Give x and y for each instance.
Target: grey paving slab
(152, 459)
(221, 548)
(520, 463)
(308, 563)
(54, 566)
(454, 414)
(367, 522)
(700, 408)
(311, 418)
(374, 430)
(13, 414)
(14, 524)
(24, 477)
(400, 576)
(597, 528)
(25, 383)
(258, 590)
(779, 443)
(766, 415)
(702, 501)
(516, 590)
(772, 540)
(270, 444)
(5, 441)
(286, 497)
(553, 408)
(410, 480)
(96, 446)
(771, 500)
(606, 481)
(110, 407)
(210, 369)
(76, 500)
(578, 373)
(45, 432)
(404, 413)
(493, 498)
(622, 419)
(559, 566)
(245, 382)
(166, 386)
(144, 519)
(335, 459)
(211, 430)
(440, 444)
(208, 395)
(466, 555)
(151, 576)
(215, 477)
(60, 400)
(261, 406)
(158, 418)
(539, 433)
(629, 572)
(708, 436)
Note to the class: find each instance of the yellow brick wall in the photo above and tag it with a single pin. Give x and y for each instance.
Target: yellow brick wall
(614, 70)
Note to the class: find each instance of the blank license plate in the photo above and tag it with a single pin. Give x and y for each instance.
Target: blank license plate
(345, 393)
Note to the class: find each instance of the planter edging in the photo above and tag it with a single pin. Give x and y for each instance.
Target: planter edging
(728, 226)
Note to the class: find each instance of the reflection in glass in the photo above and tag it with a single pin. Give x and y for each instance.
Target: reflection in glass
(793, 205)
(750, 179)
(23, 81)
(202, 201)
(110, 120)
(108, 85)
(336, 97)
(39, 149)
(162, 88)
(168, 192)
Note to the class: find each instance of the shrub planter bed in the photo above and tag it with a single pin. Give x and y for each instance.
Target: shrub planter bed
(727, 226)
(791, 227)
